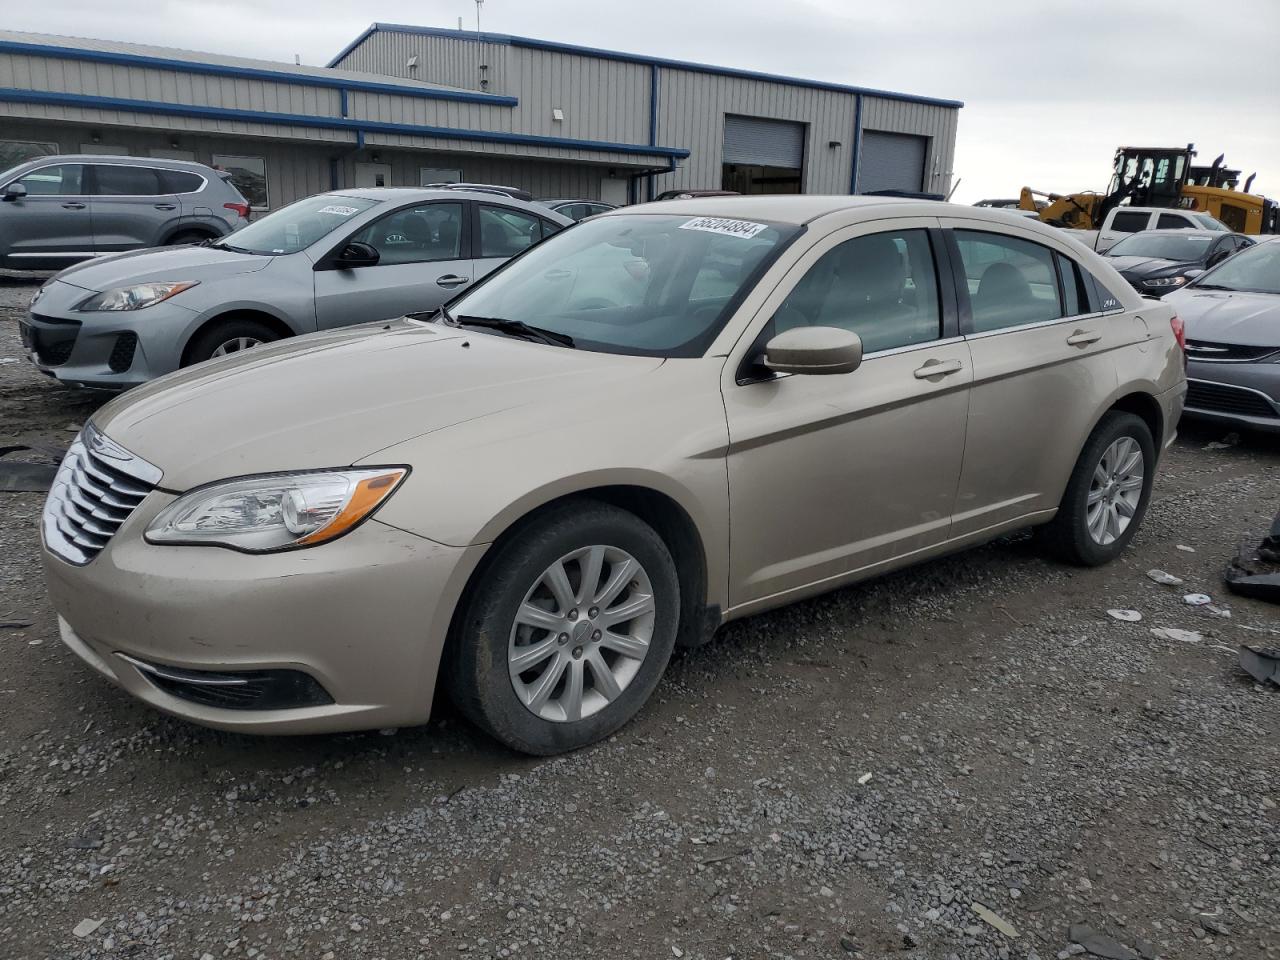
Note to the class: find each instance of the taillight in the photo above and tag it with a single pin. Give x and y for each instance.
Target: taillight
(240, 208)
(1179, 331)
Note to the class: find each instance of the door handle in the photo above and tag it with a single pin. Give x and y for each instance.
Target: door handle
(1082, 338)
(73, 205)
(938, 368)
(451, 280)
(166, 206)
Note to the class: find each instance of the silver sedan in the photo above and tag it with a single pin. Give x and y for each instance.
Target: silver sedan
(327, 261)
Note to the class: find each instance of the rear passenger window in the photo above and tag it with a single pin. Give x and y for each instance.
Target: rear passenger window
(175, 181)
(1011, 282)
(113, 181)
(1171, 221)
(1124, 222)
(505, 232)
(883, 287)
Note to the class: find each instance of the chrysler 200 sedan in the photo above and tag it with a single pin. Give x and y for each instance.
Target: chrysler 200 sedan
(663, 419)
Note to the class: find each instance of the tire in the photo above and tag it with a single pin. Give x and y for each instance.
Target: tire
(187, 236)
(223, 336)
(1068, 536)
(478, 671)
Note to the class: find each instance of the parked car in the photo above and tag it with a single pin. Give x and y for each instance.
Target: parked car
(60, 210)
(1156, 262)
(1232, 317)
(533, 497)
(578, 209)
(692, 194)
(327, 261)
(1122, 221)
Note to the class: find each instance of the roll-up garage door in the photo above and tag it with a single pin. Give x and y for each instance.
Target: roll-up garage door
(766, 143)
(892, 161)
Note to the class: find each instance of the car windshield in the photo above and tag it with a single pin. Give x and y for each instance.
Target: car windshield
(642, 284)
(1163, 246)
(1255, 270)
(296, 226)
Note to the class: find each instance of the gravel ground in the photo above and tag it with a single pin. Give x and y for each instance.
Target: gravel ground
(970, 759)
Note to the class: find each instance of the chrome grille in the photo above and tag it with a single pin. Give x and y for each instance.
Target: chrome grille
(98, 485)
(1211, 352)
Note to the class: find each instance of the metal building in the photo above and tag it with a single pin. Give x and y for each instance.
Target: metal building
(405, 105)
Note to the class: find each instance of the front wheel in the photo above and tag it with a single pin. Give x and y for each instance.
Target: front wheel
(1107, 495)
(567, 629)
(227, 337)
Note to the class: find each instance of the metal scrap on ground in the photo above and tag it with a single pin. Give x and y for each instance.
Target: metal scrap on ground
(1165, 579)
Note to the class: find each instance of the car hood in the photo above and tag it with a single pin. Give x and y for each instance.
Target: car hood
(1223, 316)
(161, 263)
(1150, 266)
(331, 399)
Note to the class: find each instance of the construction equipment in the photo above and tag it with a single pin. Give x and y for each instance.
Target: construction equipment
(1161, 177)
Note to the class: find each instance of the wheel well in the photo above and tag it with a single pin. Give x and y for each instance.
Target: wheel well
(277, 326)
(202, 232)
(1144, 406)
(671, 523)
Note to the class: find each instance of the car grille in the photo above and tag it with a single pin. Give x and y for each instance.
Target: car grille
(52, 347)
(1221, 398)
(97, 486)
(1210, 352)
(121, 358)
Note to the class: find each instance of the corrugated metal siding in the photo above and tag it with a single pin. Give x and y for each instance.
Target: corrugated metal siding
(892, 161)
(770, 143)
(937, 123)
(440, 60)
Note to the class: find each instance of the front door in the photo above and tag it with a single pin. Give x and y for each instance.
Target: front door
(130, 210)
(422, 262)
(833, 474)
(373, 174)
(52, 226)
(1042, 358)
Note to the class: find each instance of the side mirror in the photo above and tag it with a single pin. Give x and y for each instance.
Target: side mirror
(814, 350)
(15, 191)
(1192, 273)
(357, 254)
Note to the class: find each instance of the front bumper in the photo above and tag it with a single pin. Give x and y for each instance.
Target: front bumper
(365, 616)
(104, 350)
(1242, 395)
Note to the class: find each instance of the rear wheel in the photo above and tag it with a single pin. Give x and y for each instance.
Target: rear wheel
(226, 337)
(1107, 495)
(567, 629)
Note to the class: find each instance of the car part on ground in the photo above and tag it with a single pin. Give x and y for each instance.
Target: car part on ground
(1255, 569)
(657, 402)
(63, 209)
(326, 261)
(1261, 663)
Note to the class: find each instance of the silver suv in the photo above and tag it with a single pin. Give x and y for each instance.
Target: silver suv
(60, 210)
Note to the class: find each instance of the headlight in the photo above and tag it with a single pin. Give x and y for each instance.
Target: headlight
(1165, 282)
(280, 512)
(136, 297)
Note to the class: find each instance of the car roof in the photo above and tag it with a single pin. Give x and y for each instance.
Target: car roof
(410, 194)
(160, 162)
(803, 208)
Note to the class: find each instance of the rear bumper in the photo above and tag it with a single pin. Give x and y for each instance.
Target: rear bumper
(1244, 395)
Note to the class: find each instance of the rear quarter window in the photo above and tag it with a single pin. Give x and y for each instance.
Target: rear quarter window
(1128, 222)
(177, 181)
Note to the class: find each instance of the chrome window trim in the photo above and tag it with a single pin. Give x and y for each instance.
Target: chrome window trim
(60, 253)
(1074, 318)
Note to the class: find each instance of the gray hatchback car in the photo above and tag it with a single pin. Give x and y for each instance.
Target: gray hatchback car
(60, 210)
(330, 260)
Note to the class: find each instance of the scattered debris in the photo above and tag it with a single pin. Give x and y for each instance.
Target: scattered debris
(864, 779)
(9, 360)
(1197, 599)
(1255, 571)
(1099, 944)
(16, 624)
(1128, 616)
(1165, 579)
(1218, 611)
(1261, 663)
(1173, 633)
(86, 927)
(1230, 440)
(994, 920)
(1185, 549)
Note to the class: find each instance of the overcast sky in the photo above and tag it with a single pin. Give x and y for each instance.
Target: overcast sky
(1051, 87)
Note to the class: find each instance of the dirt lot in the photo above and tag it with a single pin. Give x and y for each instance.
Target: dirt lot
(1026, 752)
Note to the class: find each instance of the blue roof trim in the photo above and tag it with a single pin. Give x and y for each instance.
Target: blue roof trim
(248, 73)
(360, 127)
(556, 47)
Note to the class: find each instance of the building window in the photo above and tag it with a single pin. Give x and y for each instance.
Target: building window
(249, 174)
(14, 152)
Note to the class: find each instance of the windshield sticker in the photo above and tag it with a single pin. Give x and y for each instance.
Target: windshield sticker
(339, 210)
(730, 228)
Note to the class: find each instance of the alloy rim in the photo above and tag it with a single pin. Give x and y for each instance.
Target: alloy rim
(235, 345)
(1115, 491)
(581, 634)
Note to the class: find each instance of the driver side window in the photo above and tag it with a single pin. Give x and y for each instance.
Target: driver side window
(420, 234)
(883, 287)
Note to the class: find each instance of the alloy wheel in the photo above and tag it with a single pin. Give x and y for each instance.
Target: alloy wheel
(1115, 491)
(235, 345)
(581, 633)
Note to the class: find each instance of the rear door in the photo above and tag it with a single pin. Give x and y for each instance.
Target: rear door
(422, 262)
(131, 208)
(1043, 361)
(52, 226)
